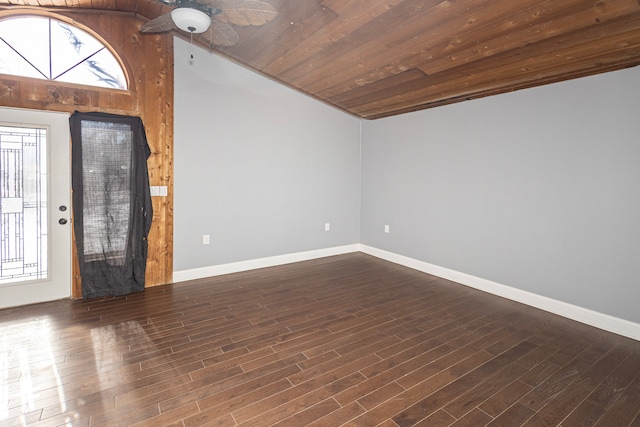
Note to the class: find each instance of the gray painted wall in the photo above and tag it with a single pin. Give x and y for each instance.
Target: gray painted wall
(258, 167)
(537, 189)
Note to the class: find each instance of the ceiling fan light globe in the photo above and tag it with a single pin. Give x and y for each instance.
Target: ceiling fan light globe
(190, 20)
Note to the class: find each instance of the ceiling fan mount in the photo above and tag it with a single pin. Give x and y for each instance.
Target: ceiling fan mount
(194, 17)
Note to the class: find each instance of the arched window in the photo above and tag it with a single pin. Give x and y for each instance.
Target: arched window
(46, 48)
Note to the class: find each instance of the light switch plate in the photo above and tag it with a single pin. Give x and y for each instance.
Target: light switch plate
(158, 190)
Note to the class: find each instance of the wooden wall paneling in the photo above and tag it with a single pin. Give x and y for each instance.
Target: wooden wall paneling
(10, 90)
(59, 3)
(157, 103)
(103, 4)
(76, 280)
(151, 8)
(34, 94)
(128, 5)
(149, 62)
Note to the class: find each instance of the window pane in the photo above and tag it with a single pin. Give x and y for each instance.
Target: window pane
(72, 46)
(12, 63)
(30, 37)
(101, 69)
(76, 56)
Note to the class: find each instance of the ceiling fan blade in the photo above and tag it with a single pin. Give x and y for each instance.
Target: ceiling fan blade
(245, 12)
(160, 24)
(223, 34)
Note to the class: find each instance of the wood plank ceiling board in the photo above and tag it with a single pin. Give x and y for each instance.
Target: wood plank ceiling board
(377, 58)
(289, 28)
(503, 37)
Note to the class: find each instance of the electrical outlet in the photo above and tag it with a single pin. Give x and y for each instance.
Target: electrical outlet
(327, 226)
(386, 228)
(205, 239)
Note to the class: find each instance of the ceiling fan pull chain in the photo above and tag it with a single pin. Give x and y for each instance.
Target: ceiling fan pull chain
(191, 46)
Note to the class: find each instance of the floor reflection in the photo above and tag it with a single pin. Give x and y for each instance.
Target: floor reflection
(27, 367)
(65, 377)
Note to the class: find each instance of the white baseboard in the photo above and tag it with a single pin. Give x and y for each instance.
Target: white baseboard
(235, 267)
(580, 314)
(599, 320)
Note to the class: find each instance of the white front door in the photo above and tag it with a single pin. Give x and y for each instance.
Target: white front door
(35, 187)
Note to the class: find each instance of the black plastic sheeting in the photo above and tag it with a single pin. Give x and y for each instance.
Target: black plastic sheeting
(111, 202)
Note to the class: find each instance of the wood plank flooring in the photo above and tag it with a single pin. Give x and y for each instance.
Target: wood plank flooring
(349, 340)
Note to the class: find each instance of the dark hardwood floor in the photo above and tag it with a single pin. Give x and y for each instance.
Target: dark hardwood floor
(348, 340)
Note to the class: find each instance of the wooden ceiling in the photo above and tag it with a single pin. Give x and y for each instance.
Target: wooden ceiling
(377, 58)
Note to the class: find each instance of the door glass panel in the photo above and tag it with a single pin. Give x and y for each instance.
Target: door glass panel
(23, 211)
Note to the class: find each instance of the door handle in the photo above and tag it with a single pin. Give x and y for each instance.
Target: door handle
(62, 221)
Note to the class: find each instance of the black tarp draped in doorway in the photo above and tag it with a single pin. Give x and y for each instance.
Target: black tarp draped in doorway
(111, 202)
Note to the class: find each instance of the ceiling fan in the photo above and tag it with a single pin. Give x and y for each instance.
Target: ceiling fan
(194, 18)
